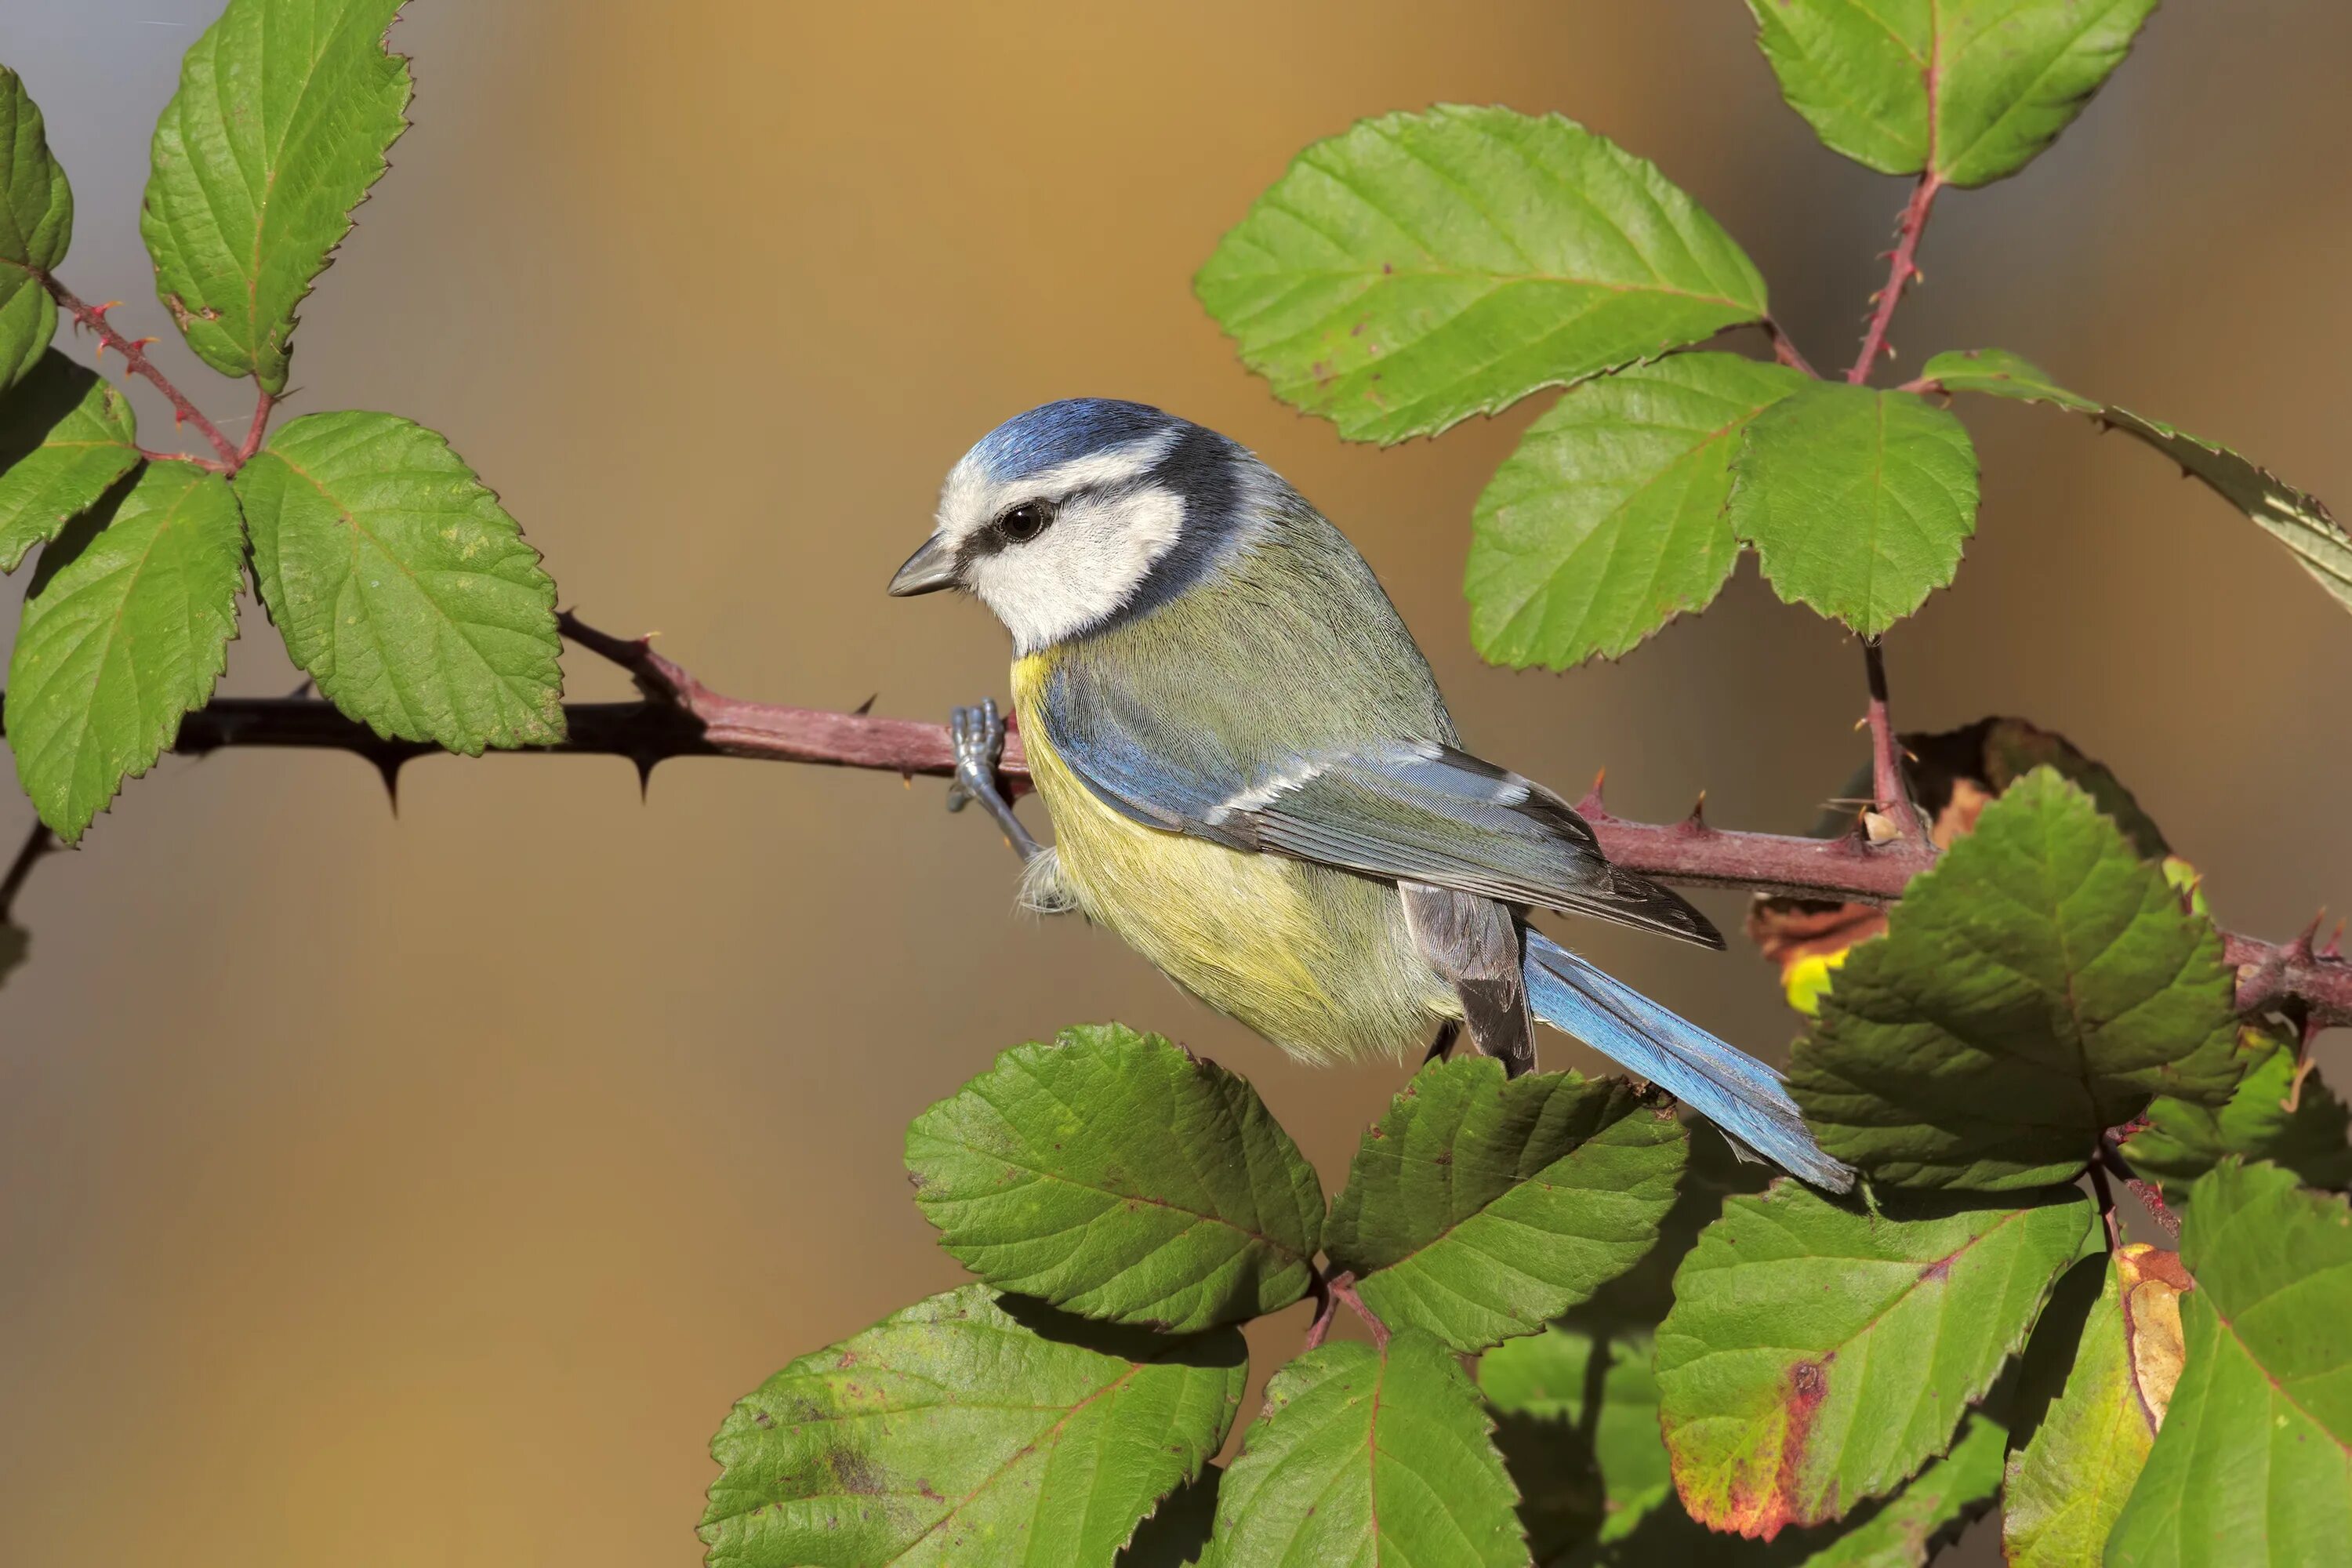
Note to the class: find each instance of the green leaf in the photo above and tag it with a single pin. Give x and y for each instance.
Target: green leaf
(126, 627)
(1997, 373)
(968, 1430)
(1115, 1175)
(1378, 1459)
(1857, 502)
(1608, 521)
(1973, 90)
(2300, 521)
(1816, 1356)
(401, 584)
(285, 111)
(66, 436)
(2040, 984)
(2296, 519)
(2183, 1140)
(2067, 1485)
(1420, 269)
(2254, 1462)
(1480, 1207)
(1579, 1430)
(35, 227)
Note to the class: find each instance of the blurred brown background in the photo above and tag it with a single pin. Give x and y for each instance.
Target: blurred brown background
(421, 1191)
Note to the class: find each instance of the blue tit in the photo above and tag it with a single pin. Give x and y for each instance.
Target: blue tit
(1254, 782)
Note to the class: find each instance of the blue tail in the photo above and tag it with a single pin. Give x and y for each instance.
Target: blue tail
(1721, 1082)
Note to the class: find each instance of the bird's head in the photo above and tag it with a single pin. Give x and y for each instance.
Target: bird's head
(1079, 513)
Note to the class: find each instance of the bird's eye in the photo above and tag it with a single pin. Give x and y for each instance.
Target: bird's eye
(1025, 521)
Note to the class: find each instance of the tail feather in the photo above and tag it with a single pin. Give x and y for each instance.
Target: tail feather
(1721, 1082)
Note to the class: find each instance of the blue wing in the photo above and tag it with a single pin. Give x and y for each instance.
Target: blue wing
(1401, 810)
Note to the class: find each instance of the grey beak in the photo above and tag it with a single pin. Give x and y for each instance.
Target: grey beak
(927, 571)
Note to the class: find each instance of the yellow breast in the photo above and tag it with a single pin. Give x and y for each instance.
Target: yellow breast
(1318, 961)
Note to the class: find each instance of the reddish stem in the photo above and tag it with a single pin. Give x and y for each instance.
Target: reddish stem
(206, 464)
(256, 430)
(1902, 270)
(1325, 1306)
(1343, 1289)
(1784, 348)
(1892, 794)
(94, 318)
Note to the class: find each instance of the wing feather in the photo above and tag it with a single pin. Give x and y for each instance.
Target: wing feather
(1404, 811)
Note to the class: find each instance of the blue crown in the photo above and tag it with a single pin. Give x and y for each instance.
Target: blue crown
(1054, 433)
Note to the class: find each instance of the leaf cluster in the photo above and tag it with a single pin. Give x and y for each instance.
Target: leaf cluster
(1109, 1189)
(400, 584)
(1843, 1383)
(1420, 269)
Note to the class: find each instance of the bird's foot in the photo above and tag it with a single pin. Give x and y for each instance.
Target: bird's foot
(977, 736)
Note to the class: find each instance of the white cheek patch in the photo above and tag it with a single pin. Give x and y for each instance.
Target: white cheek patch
(1082, 569)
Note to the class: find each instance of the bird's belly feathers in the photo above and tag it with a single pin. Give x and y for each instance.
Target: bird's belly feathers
(1318, 961)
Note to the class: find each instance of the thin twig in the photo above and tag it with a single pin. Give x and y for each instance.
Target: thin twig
(1343, 1289)
(206, 464)
(1888, 789)
(256, 430)
(94, 318)
(1325, 1306)
(1784, 348)
(1903, 269)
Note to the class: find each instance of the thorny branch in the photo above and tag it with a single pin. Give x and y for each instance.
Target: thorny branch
(678, 716)
(1903, 269)
(93, 316)
(1885, 761)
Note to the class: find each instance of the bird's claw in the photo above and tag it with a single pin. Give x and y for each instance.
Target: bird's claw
(977, 736)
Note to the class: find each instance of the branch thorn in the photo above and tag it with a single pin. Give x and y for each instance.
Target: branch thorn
(2299, 951)
(1589, 807)
(863, 709)
(388, 767)
(1696, 823)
